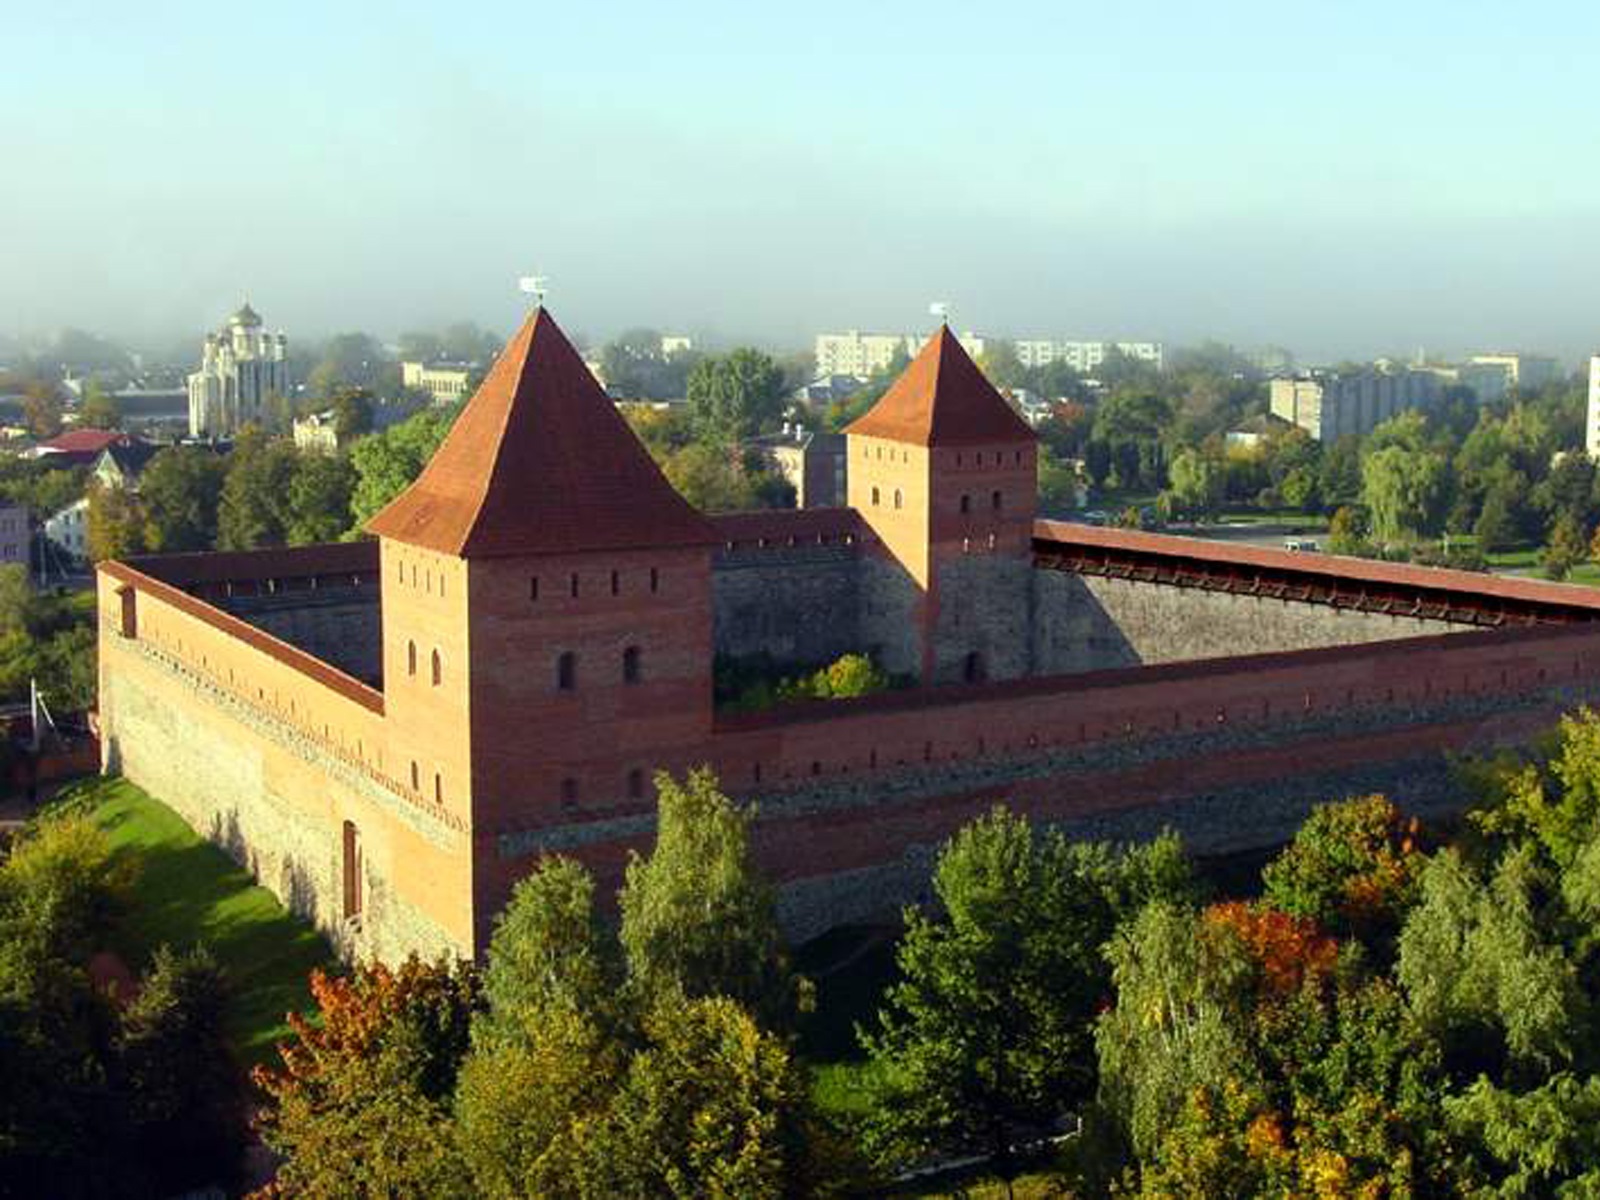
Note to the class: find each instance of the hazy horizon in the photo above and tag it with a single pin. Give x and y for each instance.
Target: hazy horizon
(1345, 183)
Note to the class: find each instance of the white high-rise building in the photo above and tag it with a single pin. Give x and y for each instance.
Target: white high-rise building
(1591, 440)
(865, 354)
(1083, 357)
(243, 368)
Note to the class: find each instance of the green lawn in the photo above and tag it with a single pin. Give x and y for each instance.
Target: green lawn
(1526, 562)
(189, 891)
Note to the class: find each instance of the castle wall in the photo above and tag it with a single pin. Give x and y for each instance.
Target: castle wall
(342, 627)
(269, 754)
(795, 604)
(984, 608)
(1094, 622)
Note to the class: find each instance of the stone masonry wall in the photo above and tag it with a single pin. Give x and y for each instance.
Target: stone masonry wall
(342, 627)
(1092, 622)
(796, 604)
(985, 607)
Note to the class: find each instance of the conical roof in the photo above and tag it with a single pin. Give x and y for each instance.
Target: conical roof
(942, 399)
(540, 462)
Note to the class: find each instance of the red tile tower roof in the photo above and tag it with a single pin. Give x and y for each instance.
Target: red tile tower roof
(540, 462)
(942, 399)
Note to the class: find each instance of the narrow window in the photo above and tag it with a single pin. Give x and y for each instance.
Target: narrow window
(994, 501)
(352, 871)
(655, 580)
(979, 458)
(438, 669)
(966, 504)
(631, 665)
(569, 793)
(438, 788)
(567, 671)
(533, 588)
(974, 669)
(897, 497)
(416, 777)
(129, 625)
(411, 658)
(573, 585)
(874, 497)
(616, 583)
(636, 784)
(1019, 458)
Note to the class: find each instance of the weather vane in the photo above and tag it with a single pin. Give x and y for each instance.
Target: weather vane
(940, 309)
(535, 286)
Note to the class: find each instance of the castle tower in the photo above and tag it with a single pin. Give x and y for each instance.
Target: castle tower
(945, 472)
(546, 613)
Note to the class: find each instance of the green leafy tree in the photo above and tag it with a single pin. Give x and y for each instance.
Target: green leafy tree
(1406, 491)
(734, 396)
(1496, 527)
(988, 1035)
(1197, 481)
(41, 409)
(178, 1076)
(361, 1104)
(1001, 365)
(319, 499)
(254, 508)
(115, 525)
(1542, 1142)
(352, 413)
(710, 478)
(100, 408)
(1353, 868)
(179, 493)
(1347, 532)
(697, 919)
(387, 463)
(713, 1105)
(1568, 546)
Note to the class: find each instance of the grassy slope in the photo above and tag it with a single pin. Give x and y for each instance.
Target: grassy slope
(188, 891)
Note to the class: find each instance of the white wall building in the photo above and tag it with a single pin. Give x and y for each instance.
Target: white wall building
(1591, 440)
(865, 354)
(242, 370)
(1083, 357)
(1328, 405)
(69, 528)
(445, 382)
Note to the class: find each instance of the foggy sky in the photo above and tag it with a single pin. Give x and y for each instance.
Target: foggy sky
(1342, 178)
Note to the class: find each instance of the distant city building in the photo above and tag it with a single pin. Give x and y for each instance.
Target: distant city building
(122, 462)
(242, 370)
(1328, 405)
(813, 462)
(826, 390)
(1491, 376)
(1084, 357)
(80, 447)
(15, 534)
(675, 343)
(863, 355)
(318, 432)
(1591, 441)
(68, 529)
(445, 382)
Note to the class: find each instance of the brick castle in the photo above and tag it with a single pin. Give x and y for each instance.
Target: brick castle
(390, 732)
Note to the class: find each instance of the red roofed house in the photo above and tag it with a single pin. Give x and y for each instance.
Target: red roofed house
(391, 732)
(80, 447)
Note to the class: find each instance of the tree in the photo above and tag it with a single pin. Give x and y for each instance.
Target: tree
(41, 409)
(710, 478)
(1353, 868)
(1347, 532)
(1496, 527)
(116, 525)
(100, 408)
(388, 462)
(352, 360)
(360, 1105)
(178, 1076)
(352, 413)
(254, 508)
(987, 1036)
(999, 362)
(1197, 481)
(1568, 546)
(734, 396)
(697, 920)
(179, 493)
(319, 499)
(713, 1105)
(1405, 490)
